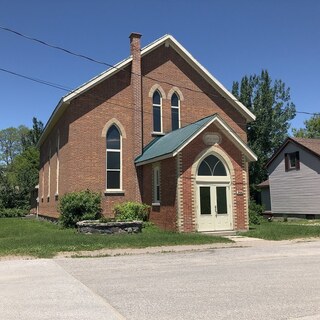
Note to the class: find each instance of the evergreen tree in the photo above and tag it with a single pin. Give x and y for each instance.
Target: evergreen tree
(271, 103)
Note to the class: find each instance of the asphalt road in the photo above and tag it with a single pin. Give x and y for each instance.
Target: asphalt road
(271, 281)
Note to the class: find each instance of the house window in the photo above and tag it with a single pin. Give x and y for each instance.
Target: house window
(113, 158)
(157, 112)
(292, 161)
(175, 112)
(156, 185)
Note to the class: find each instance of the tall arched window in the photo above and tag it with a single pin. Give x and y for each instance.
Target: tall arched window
(157, 112)
(113, 159)
(175, 112)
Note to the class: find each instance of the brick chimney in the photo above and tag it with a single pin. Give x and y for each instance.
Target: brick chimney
(136, 85)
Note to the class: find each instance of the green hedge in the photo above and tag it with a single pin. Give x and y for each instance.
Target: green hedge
(12, 213)
(77, 206)
(130, 211)
(255, 212)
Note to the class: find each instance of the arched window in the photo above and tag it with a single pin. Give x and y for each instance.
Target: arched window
(113, 159)
(175, 112)
(212, 166)
(157, 112)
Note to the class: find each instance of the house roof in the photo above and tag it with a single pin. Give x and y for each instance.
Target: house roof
(173, 142)
(310, 145)
(168, 40)
(264, 184)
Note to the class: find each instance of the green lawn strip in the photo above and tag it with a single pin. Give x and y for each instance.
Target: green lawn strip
(44, 239)
(282, 231)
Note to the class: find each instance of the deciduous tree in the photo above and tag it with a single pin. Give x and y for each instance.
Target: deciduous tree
(311, 129)
(271, 103)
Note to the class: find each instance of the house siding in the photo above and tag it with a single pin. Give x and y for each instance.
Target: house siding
(295, 192)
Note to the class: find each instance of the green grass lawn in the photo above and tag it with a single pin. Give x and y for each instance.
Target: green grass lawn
(44, 239)
(277, 230)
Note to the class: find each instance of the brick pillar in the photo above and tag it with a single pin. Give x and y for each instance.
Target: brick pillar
(136, 85)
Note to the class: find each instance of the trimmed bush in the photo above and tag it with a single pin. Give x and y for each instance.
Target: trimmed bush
(131, 211)
(78, 206)
(255, 212)
(12, 213)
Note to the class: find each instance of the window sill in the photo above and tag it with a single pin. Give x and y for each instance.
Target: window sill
(114, 193)
(156, 204)
(157, 134)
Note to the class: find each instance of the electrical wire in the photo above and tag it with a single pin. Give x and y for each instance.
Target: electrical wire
(42, 42)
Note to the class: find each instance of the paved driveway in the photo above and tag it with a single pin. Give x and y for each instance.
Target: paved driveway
(271, 281)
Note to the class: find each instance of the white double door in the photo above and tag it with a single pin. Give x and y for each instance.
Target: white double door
(214, 207)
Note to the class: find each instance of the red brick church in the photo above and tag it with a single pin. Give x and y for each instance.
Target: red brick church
(157, 128)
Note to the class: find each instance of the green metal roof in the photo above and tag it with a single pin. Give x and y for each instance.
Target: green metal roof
(169, 143)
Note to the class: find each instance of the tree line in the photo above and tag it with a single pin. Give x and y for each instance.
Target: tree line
(19, 164)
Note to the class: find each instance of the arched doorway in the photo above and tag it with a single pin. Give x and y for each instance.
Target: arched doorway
(213, 189)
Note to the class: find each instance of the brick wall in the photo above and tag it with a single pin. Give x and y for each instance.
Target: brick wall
(165, 215)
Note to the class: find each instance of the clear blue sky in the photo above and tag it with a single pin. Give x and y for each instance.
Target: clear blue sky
(230, 38)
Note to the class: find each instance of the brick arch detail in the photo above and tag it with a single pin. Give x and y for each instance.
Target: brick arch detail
(177, 91)
(215, 151)
(111, 122)
(156, 87)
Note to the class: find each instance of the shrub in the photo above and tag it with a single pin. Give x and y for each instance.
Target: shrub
(130, 211)
(255, 212)
(77, 206)
(12, 213)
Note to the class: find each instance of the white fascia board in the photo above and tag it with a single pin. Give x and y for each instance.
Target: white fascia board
(211, 79)
(75, 93)
(251, 156)
(96, 80)
(52, 121)
(226, 129)
(194, 136)
(166, 156)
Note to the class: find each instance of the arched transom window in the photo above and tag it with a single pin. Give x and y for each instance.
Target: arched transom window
(113, 159)
(212, 166)
(157, 112)
(175, 112)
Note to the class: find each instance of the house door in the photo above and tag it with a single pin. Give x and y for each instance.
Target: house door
(213, 196)
(213, 208)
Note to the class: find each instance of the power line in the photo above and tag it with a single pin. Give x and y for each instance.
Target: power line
(66, 89)
(96, 97)
(114, 67)
(110, 65)
(47, 83)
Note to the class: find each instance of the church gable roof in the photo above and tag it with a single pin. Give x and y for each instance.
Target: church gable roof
(167, 40)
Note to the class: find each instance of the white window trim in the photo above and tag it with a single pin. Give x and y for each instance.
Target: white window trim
(49, 173)
(156, 183)
(176, 107)
(114, 150)
(58, 165)
(160, 106)
(43, 182)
